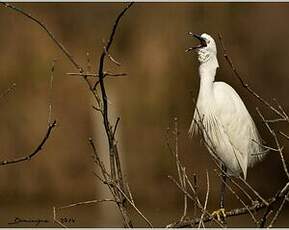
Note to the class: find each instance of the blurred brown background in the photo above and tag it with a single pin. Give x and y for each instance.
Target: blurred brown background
(162, 81)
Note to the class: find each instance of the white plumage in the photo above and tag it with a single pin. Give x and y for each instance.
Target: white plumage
(226, 124)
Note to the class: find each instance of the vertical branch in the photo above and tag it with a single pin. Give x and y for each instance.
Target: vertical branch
(206, 199)
(50, 92)
(180, 169)
(115, 164)
(185, 195)
(195, 186)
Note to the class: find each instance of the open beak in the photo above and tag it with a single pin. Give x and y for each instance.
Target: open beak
(201, 40)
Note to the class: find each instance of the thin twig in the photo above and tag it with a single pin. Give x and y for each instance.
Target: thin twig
(284, 135)
(272, 132)
(55, 220)
(206, 199)
(254, 191)
(275, 120)
(108, 74)
(135, 208)
(111, 58)
(50, 91)
(198, 202)
(115, 126)
(36, 150)
(195, 186)
(106, 49)
(59, 44)
(278, 211)
(88, 202)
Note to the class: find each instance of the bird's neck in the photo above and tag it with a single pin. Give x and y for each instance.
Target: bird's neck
(207, 71)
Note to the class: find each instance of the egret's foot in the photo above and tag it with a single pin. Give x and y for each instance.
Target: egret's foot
(220, 215)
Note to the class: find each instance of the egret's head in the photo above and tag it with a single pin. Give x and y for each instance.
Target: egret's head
(206, 49)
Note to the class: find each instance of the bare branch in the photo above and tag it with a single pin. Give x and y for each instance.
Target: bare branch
(272, 132)
(183, 223)
(60, 45)
(206, 200)
(36, 150)
(254, 191)
(110, 57)
(55, 220)
(278, 211)
(133, 205)
(50, 91)
(284, 135)
(106, 50)
(109, 74)
(85, 203)
(115, 126)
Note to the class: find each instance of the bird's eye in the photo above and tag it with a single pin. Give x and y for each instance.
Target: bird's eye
(208, 41)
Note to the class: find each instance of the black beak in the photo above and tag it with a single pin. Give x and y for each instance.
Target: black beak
(201, 45)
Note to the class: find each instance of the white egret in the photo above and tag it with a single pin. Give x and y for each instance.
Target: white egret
(220, 114)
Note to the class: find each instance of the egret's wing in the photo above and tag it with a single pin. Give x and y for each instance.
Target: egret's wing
(237, 124)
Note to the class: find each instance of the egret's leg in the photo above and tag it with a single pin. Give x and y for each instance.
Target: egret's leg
(223, 186)
(223, 189)
(220, 213)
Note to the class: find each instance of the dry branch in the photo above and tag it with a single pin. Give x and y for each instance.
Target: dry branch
(37, 21)
(88, 202)
(35, 151)
(256, 206)
(115, 176)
